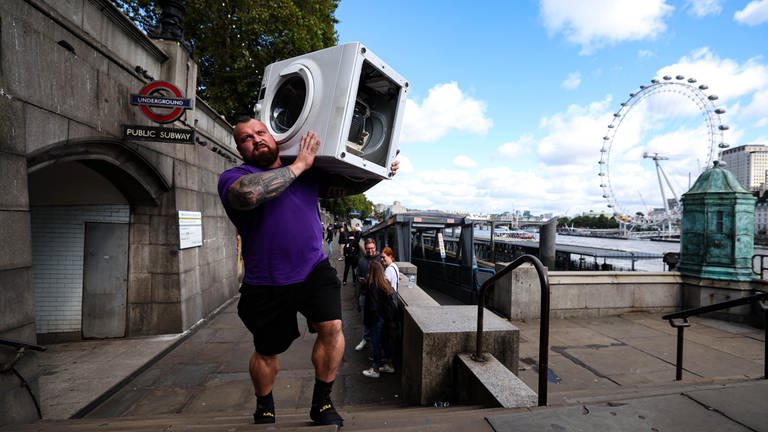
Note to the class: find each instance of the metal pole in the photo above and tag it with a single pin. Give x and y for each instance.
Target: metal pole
(679, 364)
(764, 306)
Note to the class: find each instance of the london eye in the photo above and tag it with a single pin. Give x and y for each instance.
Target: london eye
(659, 141)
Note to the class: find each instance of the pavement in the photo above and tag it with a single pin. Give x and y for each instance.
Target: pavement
(614, 373)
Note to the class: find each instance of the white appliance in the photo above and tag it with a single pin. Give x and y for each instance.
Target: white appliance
(350, 98)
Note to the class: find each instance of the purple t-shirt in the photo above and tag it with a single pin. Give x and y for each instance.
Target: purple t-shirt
(281, 238)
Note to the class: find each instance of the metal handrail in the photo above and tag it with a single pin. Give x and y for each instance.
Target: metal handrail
(543, 326)
(679, 320)
(19, 344)
(21, 347)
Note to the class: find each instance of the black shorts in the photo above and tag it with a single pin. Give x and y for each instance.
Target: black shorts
(269, 312)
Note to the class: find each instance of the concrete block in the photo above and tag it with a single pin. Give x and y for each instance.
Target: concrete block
(139, 288)
(491, 384)
(607, 296)
(15, 232)
(657, 295)
(163, 259)
(518, 294)
(706, 294)
(17, 301)
(432, 336)
(12, 126)
(415, 297)
(165, 288)
(36, 137)
(190, 200)
(13, 178)
(567, 297)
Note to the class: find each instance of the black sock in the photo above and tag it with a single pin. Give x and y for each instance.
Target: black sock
(321, 392)
(265, 409)
(265, 402)
(322, 411)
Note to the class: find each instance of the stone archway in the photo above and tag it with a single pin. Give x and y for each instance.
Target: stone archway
(82, 198)
(130, 172)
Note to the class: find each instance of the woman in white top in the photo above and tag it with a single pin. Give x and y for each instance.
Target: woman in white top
(391, 271)
(393, 332)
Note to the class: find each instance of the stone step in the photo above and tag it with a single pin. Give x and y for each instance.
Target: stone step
(171, 423)
(640, 391)
(374, 418)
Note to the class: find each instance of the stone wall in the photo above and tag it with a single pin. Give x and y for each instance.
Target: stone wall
(585, 294)
(67, 70)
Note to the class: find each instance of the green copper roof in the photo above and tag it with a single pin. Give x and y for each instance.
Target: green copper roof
(716, 179)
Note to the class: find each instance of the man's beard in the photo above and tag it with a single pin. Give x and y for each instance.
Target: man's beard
(264, 159)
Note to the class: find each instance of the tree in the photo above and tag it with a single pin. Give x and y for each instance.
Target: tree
(234, 40)
(341, 207)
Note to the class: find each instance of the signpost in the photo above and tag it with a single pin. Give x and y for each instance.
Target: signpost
(161, 102)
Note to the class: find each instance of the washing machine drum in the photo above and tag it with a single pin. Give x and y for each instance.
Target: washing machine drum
(287, 104)
(368, 133)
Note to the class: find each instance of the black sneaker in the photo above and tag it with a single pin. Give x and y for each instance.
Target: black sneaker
(325, 414)
(264, 415)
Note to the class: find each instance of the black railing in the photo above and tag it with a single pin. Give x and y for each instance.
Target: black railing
(679, 320)
(21, 347)
(543, 326)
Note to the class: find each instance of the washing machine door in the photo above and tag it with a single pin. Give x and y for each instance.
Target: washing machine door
(289, 107)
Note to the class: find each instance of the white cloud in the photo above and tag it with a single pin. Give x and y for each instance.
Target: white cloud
(553, 168)
(755, 13)
(514, 149)
(574, 136)
(464, 161)
(702, 8)
(758, 109)
(741, 88)
(445, 110)
(572, 82)
(593, 24)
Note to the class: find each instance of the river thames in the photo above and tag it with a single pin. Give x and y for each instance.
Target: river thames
(646, 246)
(629, 245)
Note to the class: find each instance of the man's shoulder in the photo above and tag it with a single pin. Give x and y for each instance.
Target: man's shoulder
(239, 170)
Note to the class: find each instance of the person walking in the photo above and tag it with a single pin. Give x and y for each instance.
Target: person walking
(329, 239)
(351, 257)
(370, 254)
(343, 236)
(376, 316)
(284, 275)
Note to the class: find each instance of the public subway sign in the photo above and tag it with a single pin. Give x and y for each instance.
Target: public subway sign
(149, 133)
(161, 101)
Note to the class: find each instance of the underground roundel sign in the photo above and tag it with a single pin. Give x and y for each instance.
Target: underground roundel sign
(161, 102)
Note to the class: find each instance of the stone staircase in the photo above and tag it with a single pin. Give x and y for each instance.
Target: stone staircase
(358, 418)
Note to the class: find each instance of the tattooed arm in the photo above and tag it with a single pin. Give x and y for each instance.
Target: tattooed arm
(249, 191)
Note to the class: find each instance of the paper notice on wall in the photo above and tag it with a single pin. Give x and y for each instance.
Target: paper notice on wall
(190, 229)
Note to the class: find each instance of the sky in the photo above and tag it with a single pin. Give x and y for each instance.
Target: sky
(509, 101)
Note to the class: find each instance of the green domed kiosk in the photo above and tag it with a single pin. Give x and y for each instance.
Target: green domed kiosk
(718, 224)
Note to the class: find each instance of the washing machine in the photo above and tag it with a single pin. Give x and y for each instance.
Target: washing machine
(349, 97)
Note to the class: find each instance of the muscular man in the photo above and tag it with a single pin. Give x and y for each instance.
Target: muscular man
(275, 211)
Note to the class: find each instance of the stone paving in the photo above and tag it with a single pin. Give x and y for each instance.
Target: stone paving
(590, 361)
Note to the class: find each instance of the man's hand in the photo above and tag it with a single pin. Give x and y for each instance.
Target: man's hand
(395, 165)
(306, 155)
